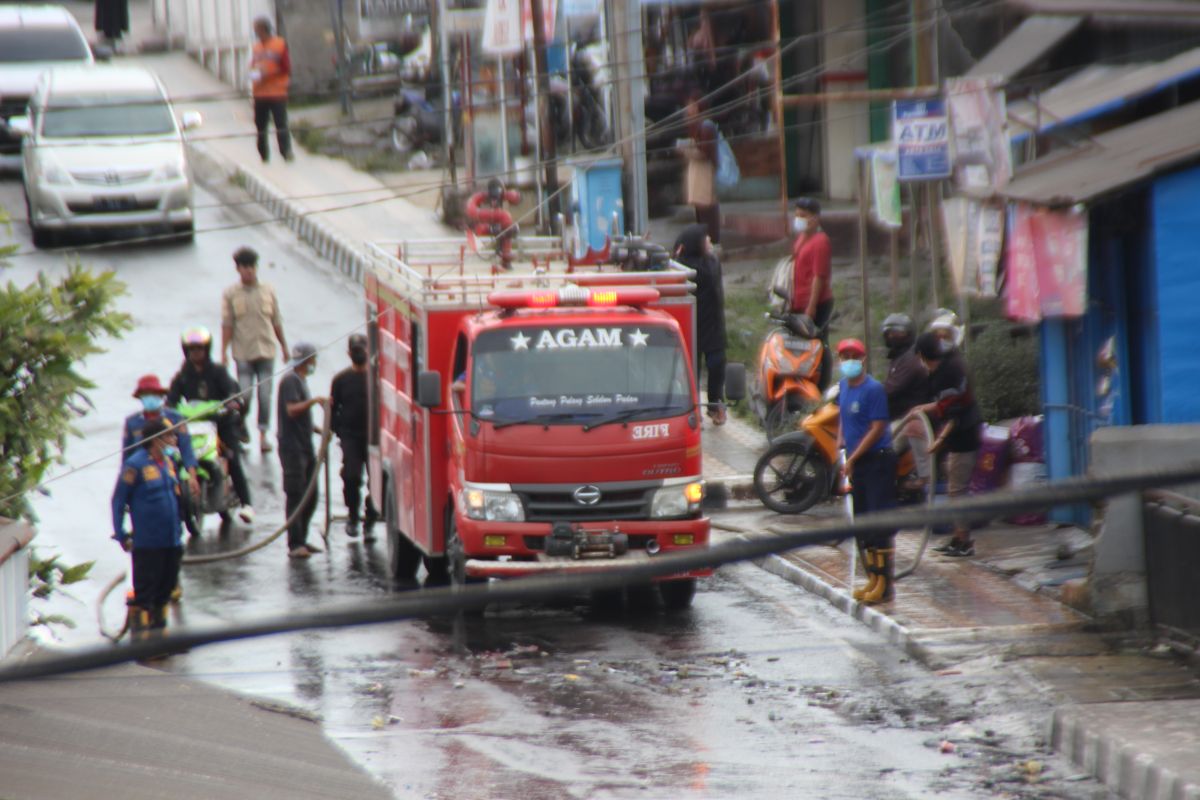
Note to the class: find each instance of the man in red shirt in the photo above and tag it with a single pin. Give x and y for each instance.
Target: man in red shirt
(270, 73)
(812, 278)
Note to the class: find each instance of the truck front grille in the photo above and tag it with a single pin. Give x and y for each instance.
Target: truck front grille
(557, 503)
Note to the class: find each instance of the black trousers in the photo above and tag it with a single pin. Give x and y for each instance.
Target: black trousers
(710, 216)
(824, 312)
(354, 461)
(155, 574)
(298, 472)
(874, 489)
(238, 475)
(714, 364)
(264, 109)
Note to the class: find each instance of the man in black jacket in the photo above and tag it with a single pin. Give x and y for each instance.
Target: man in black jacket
(200, 379)
(907, 386)
(348, 405)
(955, 411)
(694, 248)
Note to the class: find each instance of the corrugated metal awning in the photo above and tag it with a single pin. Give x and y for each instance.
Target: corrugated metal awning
(1111, 160)
(1098, 90)
(1031, 40)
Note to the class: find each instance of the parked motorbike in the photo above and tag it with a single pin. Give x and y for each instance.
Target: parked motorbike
(418, 121)
(787, 377)
(586, 120)
(800, 468)
(212, 472)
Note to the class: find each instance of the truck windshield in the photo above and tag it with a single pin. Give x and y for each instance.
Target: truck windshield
(577, 374)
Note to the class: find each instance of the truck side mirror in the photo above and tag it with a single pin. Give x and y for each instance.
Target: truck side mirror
(735, 382)
(429, 388)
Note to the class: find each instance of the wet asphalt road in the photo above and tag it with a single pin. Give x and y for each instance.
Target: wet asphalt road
(759, 691)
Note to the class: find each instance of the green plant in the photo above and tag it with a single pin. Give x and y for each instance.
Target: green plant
(47, 576)
(310, 138)
(1004, 370)
(48, 329)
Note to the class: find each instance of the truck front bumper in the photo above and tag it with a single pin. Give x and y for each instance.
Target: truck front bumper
(523, 551)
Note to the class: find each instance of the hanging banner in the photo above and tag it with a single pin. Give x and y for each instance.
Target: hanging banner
(978, 135)
(885, 188)
(508, 25)
(1046, 268)
(502, 27)
(921, 135)
(974, 232)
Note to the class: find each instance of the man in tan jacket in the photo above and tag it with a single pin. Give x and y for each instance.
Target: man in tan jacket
(250, 325)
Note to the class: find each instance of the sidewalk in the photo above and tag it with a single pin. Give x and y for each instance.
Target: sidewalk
(141, 734)
(1130, 719)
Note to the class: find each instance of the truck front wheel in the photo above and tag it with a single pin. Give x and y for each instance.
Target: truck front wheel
(403, 555)
(677, 595)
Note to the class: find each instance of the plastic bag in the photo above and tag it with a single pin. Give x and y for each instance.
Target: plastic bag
(1027, 441)
(728, 173)
(991, 467)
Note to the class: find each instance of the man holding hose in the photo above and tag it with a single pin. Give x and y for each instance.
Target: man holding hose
(297, 456)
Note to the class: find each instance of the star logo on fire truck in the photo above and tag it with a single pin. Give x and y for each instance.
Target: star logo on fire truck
(520, 342)
(637, 338)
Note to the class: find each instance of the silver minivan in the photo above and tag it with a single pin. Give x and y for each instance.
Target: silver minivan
(33, 38)
(103, 150)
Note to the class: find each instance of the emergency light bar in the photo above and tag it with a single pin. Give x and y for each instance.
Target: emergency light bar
(574, 296)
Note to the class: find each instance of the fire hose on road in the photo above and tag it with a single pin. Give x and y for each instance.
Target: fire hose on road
(322, 457)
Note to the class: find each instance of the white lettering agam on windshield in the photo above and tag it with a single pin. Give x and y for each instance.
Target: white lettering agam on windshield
(579, 339)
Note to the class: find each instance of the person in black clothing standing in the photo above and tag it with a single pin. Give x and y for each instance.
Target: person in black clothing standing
(200, 379)
(694, 249)
(907, 386)
(297, 456)
(953, 408)
(348, 405)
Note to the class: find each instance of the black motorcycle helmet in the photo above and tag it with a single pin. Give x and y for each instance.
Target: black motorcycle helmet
(899, 332)
(495, 191)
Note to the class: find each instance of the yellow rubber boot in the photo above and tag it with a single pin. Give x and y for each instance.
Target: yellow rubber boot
(868, 559)
(885, 589)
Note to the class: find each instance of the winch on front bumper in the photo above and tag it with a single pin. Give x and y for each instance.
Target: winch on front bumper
(538, 548)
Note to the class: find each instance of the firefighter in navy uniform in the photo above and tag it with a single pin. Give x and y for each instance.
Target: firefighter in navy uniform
(199, 379)
(348, 405)
(148, 489)
(153, 398)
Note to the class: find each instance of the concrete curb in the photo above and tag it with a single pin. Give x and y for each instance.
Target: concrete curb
(1129, 773)
(305, 223)
(895, 633)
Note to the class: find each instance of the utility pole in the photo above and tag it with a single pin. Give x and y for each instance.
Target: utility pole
(549, 149)
(625, 42)
(438, 8)
(343, 69)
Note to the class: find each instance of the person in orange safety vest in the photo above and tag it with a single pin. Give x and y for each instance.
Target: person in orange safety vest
(270, 73)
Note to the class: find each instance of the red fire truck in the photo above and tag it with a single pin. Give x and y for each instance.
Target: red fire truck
(538, 418)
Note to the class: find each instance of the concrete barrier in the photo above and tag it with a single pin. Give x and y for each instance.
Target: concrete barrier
(1117, 588)
(15, 537)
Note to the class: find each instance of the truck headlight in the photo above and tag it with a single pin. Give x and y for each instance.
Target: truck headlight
(492, 505)
(677, 500)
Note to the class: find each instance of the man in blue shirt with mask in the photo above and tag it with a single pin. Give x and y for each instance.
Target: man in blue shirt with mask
(865, 434)
(148, 489)
(153, 396)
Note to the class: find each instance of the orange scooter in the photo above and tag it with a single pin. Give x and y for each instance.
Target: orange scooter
(787, 383)
(800, 468)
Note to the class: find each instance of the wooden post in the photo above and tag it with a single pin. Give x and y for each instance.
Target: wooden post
(894, 259)
(863, 189)
(932, 191)
(914, 217)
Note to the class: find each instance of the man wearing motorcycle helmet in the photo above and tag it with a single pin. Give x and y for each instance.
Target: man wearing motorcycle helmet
(152, 395)
(199, 379)
(907, 386)
(870, 462)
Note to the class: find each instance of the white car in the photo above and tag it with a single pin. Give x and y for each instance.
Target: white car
(33, 38)
(103, 150)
